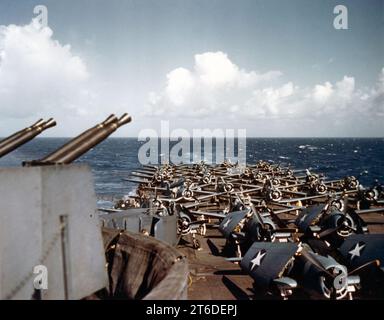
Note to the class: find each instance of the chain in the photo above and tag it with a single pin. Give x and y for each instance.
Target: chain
(43, 258)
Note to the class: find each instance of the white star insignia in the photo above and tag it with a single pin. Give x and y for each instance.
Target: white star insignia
(303, 218)
(256, 261)
(356, 251)
(227, 223)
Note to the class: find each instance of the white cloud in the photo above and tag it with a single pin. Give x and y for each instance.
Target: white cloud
(377, 96)
(216, 86)
(180, 86)
(269, 100)
(39, 75)
(215, 69)
(321, 93)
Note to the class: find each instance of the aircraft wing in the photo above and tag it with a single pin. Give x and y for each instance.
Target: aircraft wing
(308, 216)
(266, 261)
(230, 222)
(358, 249)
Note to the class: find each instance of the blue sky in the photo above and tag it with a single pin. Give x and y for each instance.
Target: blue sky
(130, 48)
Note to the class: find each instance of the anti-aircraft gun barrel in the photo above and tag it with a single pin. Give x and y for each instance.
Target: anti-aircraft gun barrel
(17, 134)
(82, 143)
(23, 136)
(80, 139)
(100, 135)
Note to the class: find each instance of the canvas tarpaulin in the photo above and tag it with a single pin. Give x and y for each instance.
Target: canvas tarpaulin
(141, 267)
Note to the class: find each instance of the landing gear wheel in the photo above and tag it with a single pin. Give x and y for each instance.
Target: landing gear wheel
(183, 225)
(202, 229)
(196, 244)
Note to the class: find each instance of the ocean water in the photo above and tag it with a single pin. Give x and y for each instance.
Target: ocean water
(115, 158)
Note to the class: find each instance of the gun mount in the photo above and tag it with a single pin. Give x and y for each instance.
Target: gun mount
(56, 238)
